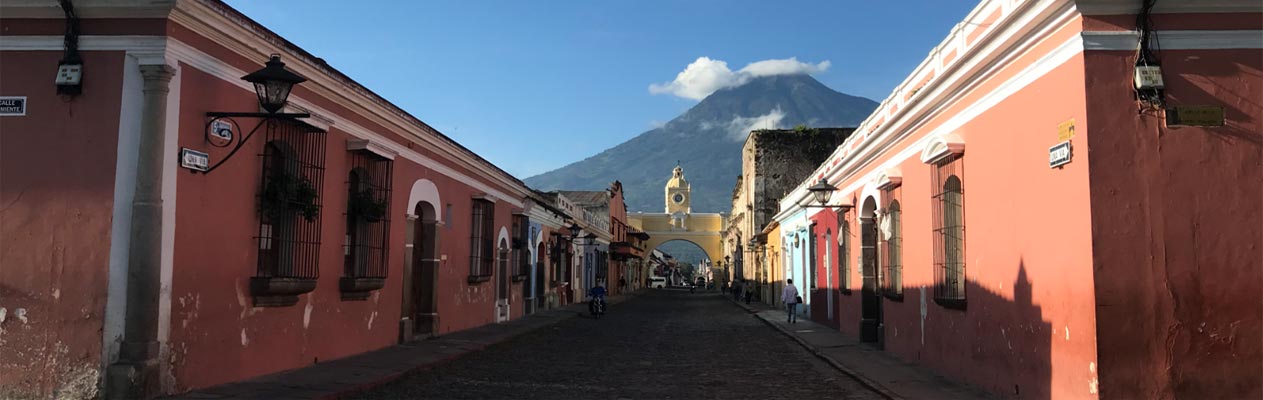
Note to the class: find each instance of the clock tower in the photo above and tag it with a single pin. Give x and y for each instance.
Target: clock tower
(677, 192)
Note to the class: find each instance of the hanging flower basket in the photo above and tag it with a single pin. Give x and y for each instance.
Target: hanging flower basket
(364, 205)
(285, 194)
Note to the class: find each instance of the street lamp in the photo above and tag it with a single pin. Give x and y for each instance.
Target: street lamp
(821, 192)
(574, 230)
(273, 83)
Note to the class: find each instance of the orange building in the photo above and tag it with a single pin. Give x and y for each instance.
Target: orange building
(1030, 211)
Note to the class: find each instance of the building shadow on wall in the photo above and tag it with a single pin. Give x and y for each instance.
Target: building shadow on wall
(995, 343)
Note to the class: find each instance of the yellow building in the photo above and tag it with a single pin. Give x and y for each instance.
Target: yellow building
(770, 269)
(678, 222)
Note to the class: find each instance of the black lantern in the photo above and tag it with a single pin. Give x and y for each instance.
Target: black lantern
(822, 191)
(273, 84)
(574, 230)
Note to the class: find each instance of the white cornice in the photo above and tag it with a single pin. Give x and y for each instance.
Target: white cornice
(242, 36)
(204, 62)
(940, 146)
(371, 147)
(890, 177)
(159, 49)
(1127, 7)
(1175, 40)
(88, 9)
(1024, 26)
(148, 50)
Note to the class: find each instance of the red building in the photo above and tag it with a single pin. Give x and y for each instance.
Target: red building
(322, 236)
(1032, 212)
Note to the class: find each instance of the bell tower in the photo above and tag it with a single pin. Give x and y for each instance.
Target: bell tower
(677, 192)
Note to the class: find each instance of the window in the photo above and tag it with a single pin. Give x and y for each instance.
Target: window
(521, 250)
(828, 258)
(844, 254)
(892, 249)
(289, 203)
(949, 232)
(502, 257)
(602, 266)
(290, 186)
(367, 217)
(364, 246)
(481, 242)
(811, 256)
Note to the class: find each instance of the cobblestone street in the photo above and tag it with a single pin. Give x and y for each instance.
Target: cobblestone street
(664, 344)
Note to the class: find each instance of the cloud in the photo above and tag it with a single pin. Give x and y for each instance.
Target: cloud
(704, 76)
(740, 127)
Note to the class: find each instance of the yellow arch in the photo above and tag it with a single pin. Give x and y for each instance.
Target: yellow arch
(702, 229)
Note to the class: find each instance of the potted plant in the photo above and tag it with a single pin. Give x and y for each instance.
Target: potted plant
(363, 204)
(285, 193)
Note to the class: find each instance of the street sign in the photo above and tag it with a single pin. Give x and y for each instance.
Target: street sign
(12, 106)
(1059, 154)
(194, 160)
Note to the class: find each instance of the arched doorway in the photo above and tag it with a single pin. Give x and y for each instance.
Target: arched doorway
(420, 274)
(870, 299)
(539, 280)
(502, 281)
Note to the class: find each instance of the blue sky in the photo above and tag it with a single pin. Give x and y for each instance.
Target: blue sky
(535, 85)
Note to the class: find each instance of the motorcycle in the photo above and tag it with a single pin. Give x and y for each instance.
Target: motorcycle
(596, 307)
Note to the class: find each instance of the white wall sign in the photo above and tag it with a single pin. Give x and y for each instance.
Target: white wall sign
(221, 130)
(1059, 154)
(12, 106)
(194, 160)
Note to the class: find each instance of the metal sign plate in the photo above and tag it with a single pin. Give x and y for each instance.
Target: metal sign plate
(1059, 154)
(194, 160)
(12, 106)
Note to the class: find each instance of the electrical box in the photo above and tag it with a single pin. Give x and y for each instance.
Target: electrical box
(1148, 77)
(69, 74)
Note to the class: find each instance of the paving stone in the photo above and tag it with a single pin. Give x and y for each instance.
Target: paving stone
(660, 345)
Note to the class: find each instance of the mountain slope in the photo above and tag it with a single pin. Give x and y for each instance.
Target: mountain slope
(707, 141)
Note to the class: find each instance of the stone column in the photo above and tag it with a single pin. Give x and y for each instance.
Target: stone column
(135, 374)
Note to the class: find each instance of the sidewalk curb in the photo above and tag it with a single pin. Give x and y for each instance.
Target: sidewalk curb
(863, 380)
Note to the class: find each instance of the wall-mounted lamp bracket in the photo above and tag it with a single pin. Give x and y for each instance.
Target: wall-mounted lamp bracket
(221, 129)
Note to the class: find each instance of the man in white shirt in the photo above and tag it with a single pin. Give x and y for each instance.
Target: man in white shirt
(789, 296)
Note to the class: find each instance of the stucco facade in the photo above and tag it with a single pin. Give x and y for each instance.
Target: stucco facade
(127, 275)
(1095, 278)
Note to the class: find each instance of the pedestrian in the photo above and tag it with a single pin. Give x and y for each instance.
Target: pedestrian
(749, 294)
(622, 285)
(790, 297)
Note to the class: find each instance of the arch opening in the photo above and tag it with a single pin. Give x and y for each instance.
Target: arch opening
(688, 261)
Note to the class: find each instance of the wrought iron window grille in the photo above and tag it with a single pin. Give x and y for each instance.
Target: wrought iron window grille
(289, 205)
(949, 232)
(366, 241)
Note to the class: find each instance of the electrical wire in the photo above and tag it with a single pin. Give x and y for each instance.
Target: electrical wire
(1146, 47)
(71, 42)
